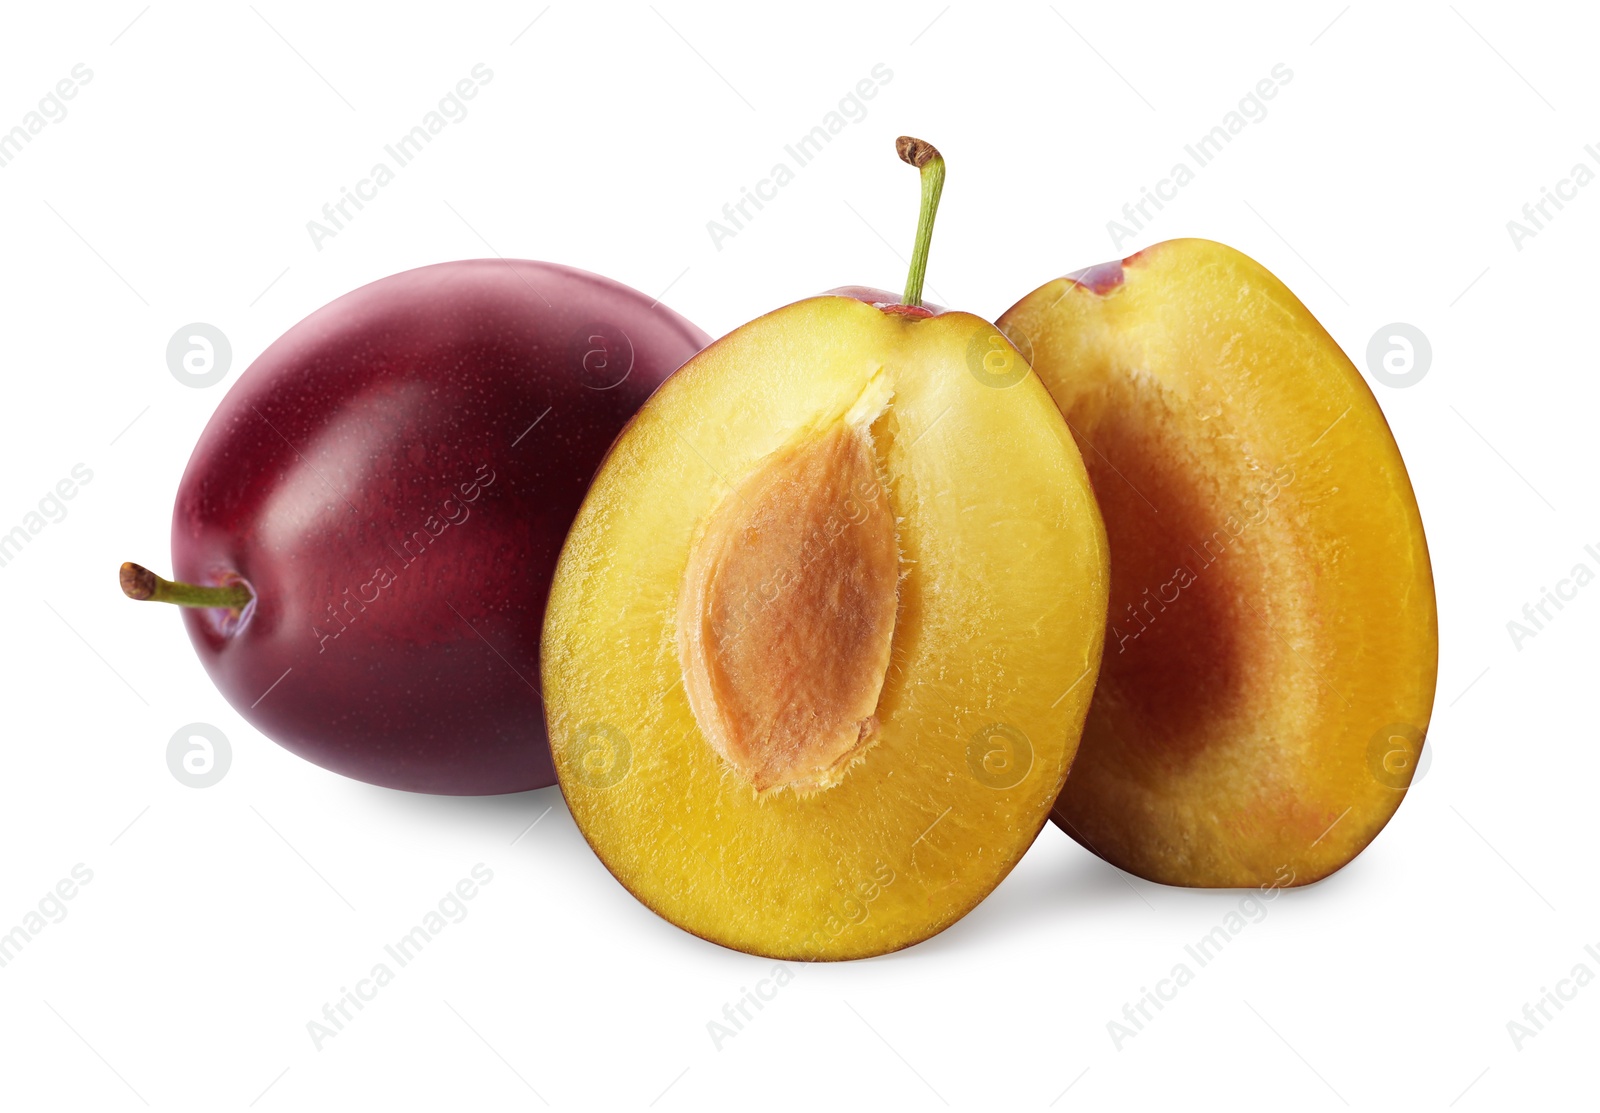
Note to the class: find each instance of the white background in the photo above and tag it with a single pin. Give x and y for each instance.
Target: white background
(219, 921)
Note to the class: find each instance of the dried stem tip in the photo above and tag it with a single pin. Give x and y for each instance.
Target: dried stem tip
(917, 152)
(138, 582)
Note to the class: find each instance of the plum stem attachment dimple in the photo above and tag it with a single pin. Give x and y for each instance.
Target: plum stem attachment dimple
(138, 582)
(930, 163)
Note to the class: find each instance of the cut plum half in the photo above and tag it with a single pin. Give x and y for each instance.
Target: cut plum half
(1272, 643)
(823, 635)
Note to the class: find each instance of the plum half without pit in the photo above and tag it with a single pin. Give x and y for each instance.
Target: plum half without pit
(1273, 641)
(822, 637)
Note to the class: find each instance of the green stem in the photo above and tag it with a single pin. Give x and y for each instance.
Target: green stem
(138, 582)
(927, 159)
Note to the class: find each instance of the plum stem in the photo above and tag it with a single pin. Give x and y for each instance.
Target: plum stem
(138, 582)
(927, 159)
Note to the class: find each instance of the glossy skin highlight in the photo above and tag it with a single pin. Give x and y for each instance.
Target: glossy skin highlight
(393, 479)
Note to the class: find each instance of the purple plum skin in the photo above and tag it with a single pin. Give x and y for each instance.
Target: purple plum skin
(393, 478)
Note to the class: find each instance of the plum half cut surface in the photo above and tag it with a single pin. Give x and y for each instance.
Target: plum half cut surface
(822, 637)
(1272, 642)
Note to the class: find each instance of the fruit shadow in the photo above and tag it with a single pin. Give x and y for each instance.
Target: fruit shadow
(1083, 885)
(507, 818)
(1074, 884)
